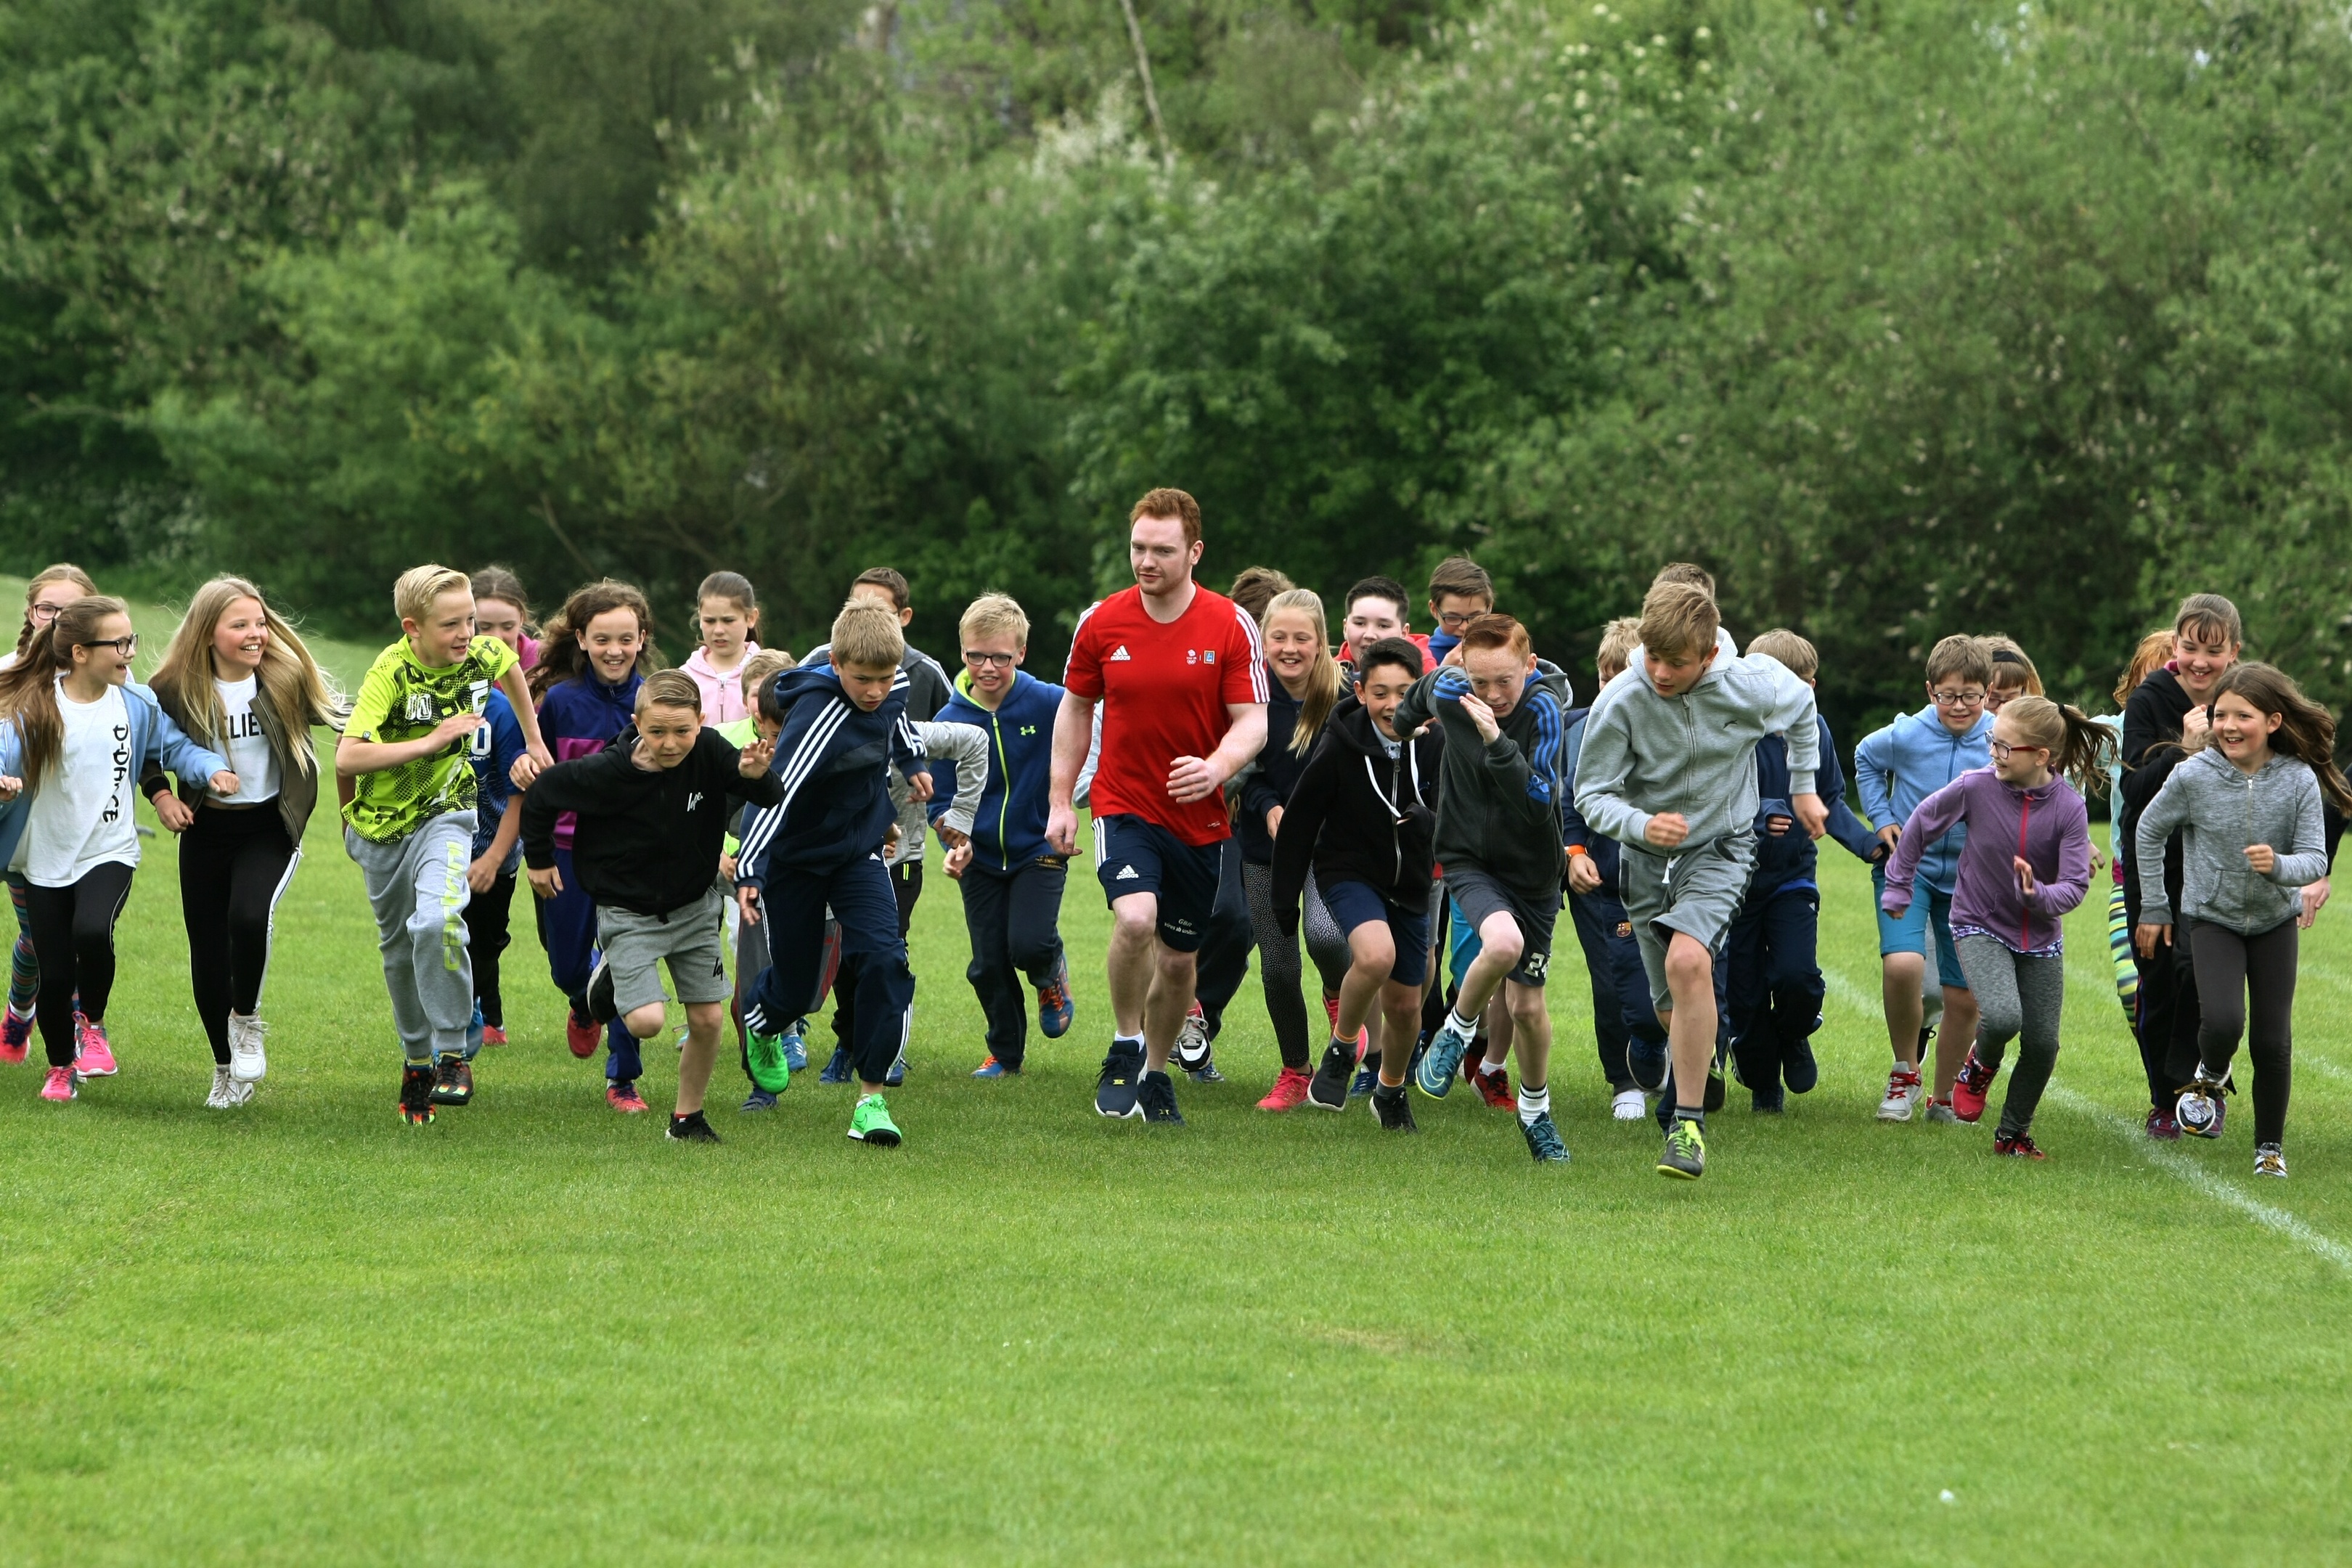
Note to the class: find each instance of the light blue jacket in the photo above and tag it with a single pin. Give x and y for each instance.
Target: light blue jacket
(153, 735)
(1896, 768)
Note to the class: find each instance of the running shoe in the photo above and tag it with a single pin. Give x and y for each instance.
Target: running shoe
(1544, 1142)
(796, 1045)
(1056, 1005)
(870, 1122)
(1493, 1084)
(1798, 1069)
(16, 1036)
(416, 1095)
(1941, 1112)
(758, 1100)
(248, 1062)
(1192, 1039)
(692, 1127)
(1627, 1105)
(453, 1082)
(2162, 1126)
(2017, 1146)
(992, 1068)
(94, 1055)
(494, 1034)
(625, 1097)
(1650, 1063)
(1685, 1155)
(1368, 1074)
(1206, 1070)
(581, 1033)
(603, 1007)
(2270, 1160)
(1393, 1106)
(1118, 1089)
(1903, 1093)
(1711, 1100)
(1289, 1092)
(766, 1056)
(61, 1084)
(1328, 1088)
(1435, 1077)
(1157, 1098)
(2199, 1109)
(228, 1093)
(836, 1070)
(898, 1073)
(1968, 1089)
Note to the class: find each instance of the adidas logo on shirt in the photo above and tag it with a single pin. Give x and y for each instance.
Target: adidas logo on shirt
(1127, 874)
(1118, 653)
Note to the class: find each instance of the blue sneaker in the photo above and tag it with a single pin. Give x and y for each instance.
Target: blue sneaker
(1368, 1077)
(1119, 1088)
(992, 1068)
(898, 1073)
(1056, 1005)
(758, 1100)
(837, 1069)
(1435, 1077)
(1649, 1063)
(796, 1045)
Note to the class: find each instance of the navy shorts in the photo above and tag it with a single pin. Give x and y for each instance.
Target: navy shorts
(1354, 904)
(1133, 855)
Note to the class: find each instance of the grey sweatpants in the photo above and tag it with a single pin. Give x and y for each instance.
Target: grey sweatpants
(2019, 997)
(417, 888)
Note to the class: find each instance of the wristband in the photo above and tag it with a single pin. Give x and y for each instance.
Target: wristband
(1575, 849)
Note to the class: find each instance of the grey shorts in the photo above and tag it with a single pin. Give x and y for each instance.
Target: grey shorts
(692, 940)
(1479, 893)
(1695, 891)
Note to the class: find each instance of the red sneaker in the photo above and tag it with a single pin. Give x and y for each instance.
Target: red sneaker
(1289, 1092)
(625, 1097)
(493, 1036)
(58, 1085)
(2162, 1126)
(94, 1054)
(1969, 1088)
(2018, 1148)
(1494, 1086)
(16, 1036)
(581, 1033)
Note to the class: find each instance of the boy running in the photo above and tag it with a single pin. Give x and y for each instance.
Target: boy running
(1668, 770)
(1182, 684)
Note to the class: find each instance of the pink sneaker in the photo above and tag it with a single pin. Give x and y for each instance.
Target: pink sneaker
(16, 1034)
(94, 1053)
(60, 1085)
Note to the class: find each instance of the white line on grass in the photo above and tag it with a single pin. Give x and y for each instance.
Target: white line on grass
(1848, 995)
(2204, 1181)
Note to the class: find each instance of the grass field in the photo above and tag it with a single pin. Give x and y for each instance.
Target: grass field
(536, 1332)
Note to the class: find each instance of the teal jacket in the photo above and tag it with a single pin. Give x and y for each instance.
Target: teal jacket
(154, 738)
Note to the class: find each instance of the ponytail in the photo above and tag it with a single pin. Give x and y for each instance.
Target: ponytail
(2079, 745)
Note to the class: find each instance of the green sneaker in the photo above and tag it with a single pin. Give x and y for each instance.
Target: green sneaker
(871, 1123)
(1685, 1155)
(770, 1070)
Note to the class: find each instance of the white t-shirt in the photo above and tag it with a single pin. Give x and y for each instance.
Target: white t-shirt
(80, 817)
(246, 748)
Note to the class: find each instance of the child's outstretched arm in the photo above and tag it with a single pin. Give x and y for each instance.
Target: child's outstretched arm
(1844, 826)
(535, 755)
(1798, 720)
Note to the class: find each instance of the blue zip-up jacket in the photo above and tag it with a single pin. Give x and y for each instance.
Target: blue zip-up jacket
(834, 759)
(1790, 860)
(1911, 759)
(1008, 828)
(579, 717)
(1573, 828)
(497, 745)
(154, 737)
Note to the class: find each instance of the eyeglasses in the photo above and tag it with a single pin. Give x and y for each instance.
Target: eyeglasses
(42, 614)
(126, 647)
(1454, 620)
(2003, 751)
(1957, 698)
(989, 660)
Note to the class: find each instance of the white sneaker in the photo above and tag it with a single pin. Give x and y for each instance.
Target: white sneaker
(1629, 1105)
(248, 1062)
(1903, 1093)
(223, 1097)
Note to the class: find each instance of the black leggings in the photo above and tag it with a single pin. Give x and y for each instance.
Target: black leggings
(73, 936)
(487, 919)
(2230, 968)
(235, 865)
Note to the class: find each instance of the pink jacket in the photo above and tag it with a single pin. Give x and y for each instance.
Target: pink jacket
(723, 695)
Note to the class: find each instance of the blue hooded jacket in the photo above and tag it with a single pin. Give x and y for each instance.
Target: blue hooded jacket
(153, 736)
(1789, 860)
(1899, 766)
(834, 760)
(1008, 828)
(1573, 828)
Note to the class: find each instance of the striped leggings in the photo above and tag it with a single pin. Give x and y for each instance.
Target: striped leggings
(24, 969)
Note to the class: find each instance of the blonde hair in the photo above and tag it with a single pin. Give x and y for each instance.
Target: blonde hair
(28, 687)
(2079, 745)
(1794, 652)
(300, 692)
(2007, 659)
(995, 615)
(1619, 638)
(1679, 619)
(671, 689)
(413, 594)
(1322, 676)
(867, 634)
(758, 670)
(63, 572)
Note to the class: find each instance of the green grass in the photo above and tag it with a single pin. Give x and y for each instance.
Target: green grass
(537, 1331)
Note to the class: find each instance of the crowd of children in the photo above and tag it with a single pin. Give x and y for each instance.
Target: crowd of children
(1419, 806)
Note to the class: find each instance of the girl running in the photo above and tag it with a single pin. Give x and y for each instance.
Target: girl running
(598, 650)
(76, 734)
(51, 591)
(729, 615)
(236, 679)
(2013, 675)
(502, 611)
(2027, 862)
(2246, 802)
(1303, 690)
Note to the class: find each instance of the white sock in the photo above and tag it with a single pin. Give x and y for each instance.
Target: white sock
(1533, 1103)
(1465, 1028)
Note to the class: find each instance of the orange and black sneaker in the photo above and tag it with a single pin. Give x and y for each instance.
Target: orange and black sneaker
(453, 1082)
(416, 1095)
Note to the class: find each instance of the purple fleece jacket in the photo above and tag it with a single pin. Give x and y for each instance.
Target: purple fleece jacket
(2048, 826)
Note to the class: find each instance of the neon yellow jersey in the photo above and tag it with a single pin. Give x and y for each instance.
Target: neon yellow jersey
(401, 698)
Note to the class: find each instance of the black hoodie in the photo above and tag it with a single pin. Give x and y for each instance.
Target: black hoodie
(1359, 815)
(2152, 716)
(648, 840)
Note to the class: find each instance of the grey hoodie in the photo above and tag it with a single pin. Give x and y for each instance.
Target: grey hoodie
(2220, 811)
(1696, 754)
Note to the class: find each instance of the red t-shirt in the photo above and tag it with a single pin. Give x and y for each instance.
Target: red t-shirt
(1164, 690)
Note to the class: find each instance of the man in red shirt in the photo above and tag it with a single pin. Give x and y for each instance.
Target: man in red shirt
(1182, 682)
